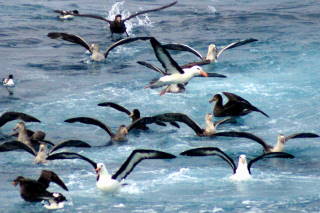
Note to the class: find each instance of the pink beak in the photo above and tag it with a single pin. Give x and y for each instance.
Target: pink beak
(203, 73)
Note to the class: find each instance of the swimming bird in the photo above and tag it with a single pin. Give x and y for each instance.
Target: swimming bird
(134, 114)
(174, 88)
(111, 183)
(43, 152)
(242, 171)
(25, 136)
(118, 26)
(236, 106)
(121, 134)
(11, 116)
(8, 82)
(93, 48)
(213, 52)
(36, 190)
(209, 130)
(281, 140)
(66, 14)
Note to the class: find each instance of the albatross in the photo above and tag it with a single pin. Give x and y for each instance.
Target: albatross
(121, 134)
(36, 190)
(42, 154)
(278, 147)
(241, 172)
(111, 183)
(118, 26)
(213, 52)
(236, 106)
(134, 114)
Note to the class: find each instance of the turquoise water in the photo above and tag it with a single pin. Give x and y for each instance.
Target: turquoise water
(55, 80)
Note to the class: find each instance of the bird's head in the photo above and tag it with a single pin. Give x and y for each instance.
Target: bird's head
(197, 70)
(216, 97)
(95, 47)
(18, 180)
(135, 114)
(19, 126)
(123, 130)
(281, 139)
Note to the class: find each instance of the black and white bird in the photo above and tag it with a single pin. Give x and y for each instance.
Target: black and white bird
(9, 84)
(42, 154)
(111, 183)
(118, 26)
(121, 134)
(93, 48)
(210, 126)
(174, 88)
(236, 106)
(11, 116)
(278, 147)
(66, 14)
(241, 172)
(134, 114)
(213, 52)
(36, 190)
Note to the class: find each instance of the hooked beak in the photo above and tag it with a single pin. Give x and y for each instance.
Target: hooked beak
(212, 100)
(14, 183)
(203, 73)
(97, 170)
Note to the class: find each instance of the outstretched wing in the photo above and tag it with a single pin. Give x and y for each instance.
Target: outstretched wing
(136, 157)
(247, 104)
(10, 116)
(266, 147)
(269, 155)
(71, 38)
(124, 41)
(115, 106)
(205, 151)
(182, 47)
(163, 56)
(151, 10)
(179, 117)
(69, 143)
(302, 135)
(198, 63)
(16, 145)
(152, 67)
(71, 155)
(90, 16)
(236, 44)
(48, 176)
(92, 121)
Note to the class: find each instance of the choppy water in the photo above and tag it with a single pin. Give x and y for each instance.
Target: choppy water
(55, 81)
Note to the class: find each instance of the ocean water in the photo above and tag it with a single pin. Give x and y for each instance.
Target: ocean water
(56, 80)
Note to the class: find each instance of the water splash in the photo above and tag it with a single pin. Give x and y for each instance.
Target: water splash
(119, 8)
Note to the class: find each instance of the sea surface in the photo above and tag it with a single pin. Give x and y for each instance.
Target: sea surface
(56, 80)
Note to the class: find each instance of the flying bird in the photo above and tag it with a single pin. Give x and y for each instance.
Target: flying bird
(278, 147)
(236, 106)
(118, 26)
(213, 52)
(36, 190)
(111, 183)
(242, 171)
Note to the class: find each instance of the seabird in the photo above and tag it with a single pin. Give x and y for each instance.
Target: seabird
(123, 130)
(281, 140)
(212, 55)
(118, 26)
(134, 114)
(25, 135)
(36, 190)
(10, 116)
(111, 183)
(236, 106)
(66, 14)
(209, 130)
(174, 74)
(174, 88)
(43, 153)
(242, 171)
(93, 48)
(8, 83)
